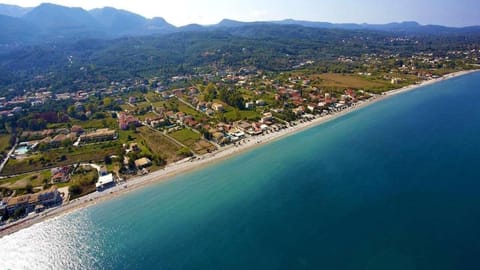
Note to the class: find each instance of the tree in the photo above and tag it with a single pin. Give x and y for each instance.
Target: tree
(71, 111)
(75, 189)
(131, 163)
(158, 160)
(108, 160)
(19, 212)
(206, 134)
(29, 188)
(210, 92)
(185, 151)
(66, 143)
(107, 102)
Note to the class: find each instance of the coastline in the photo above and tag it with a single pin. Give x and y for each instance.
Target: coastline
(187, 165)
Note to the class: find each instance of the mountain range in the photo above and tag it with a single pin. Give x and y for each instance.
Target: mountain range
(48, 22)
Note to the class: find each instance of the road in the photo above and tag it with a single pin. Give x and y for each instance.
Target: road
(4, 162)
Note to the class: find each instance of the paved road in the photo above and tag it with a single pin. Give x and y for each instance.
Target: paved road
(8, 155)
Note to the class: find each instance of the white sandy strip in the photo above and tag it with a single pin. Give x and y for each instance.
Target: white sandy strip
(188, 165)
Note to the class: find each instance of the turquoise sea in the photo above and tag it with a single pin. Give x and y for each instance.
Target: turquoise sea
(395, 185)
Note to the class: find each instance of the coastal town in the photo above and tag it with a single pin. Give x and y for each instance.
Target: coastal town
(239, 135)
(60, 147)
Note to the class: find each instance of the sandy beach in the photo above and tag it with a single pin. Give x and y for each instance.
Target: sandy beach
(188, 165)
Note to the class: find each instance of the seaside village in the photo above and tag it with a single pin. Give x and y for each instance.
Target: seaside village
(102, 138)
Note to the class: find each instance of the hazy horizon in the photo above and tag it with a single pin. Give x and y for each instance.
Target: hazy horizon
(183, 12)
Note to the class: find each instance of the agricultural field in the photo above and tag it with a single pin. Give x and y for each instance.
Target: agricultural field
(127, 107)
(82, 182)
(60, 157)
(190, 111)
(193, 140)
(236, 114)
(153, 97)
(4, 142)
(26, 183)
(158, 144)
(186, 136)
(150, 115)
(342, 81)
(108, 122)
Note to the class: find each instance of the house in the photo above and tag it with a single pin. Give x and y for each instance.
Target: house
(220, 138)
(328, 98)
(299, 110)
(243, 125)
(180, 116)
(46, 198)
(190, 122)
(132, 100)
(218, 107)
(210, 112)
(192, 91)
(202, 106)
(102, 134)
(126, 120)
(159, 123)
(350, 93)
(15, 203)
(267, 118)
(3, 208)
(104, 182)
(171, 115)
(60, 177)
(260, 102)
(311, 107)
(49, 197)
(178, 92)
(249, 105)
(142, 163)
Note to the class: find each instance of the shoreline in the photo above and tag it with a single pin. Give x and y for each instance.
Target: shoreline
(187, 165)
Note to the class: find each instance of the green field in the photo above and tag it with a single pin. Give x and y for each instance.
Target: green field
(235, 115)
(186, 136)
(4, 142)
(61, 156)
(343, 81)
(158, 144)
(84, 179)
(108, 122)
(153, 97)
(190, 111)
(127, 107)
(193, 140)
(20, 182)
(150, 115)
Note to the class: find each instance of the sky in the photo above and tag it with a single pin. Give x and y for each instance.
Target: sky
(182, 12)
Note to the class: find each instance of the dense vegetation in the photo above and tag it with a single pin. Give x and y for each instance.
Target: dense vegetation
(95, 63)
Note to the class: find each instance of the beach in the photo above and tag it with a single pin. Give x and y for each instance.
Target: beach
(188, 165)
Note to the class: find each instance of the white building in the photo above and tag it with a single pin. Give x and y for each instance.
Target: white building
(105, 182)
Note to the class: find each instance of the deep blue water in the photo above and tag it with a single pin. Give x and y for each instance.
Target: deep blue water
(395, 185)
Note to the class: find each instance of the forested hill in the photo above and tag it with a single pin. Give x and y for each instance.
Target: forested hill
(70, 48)
(263, 46)
(48, 23)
